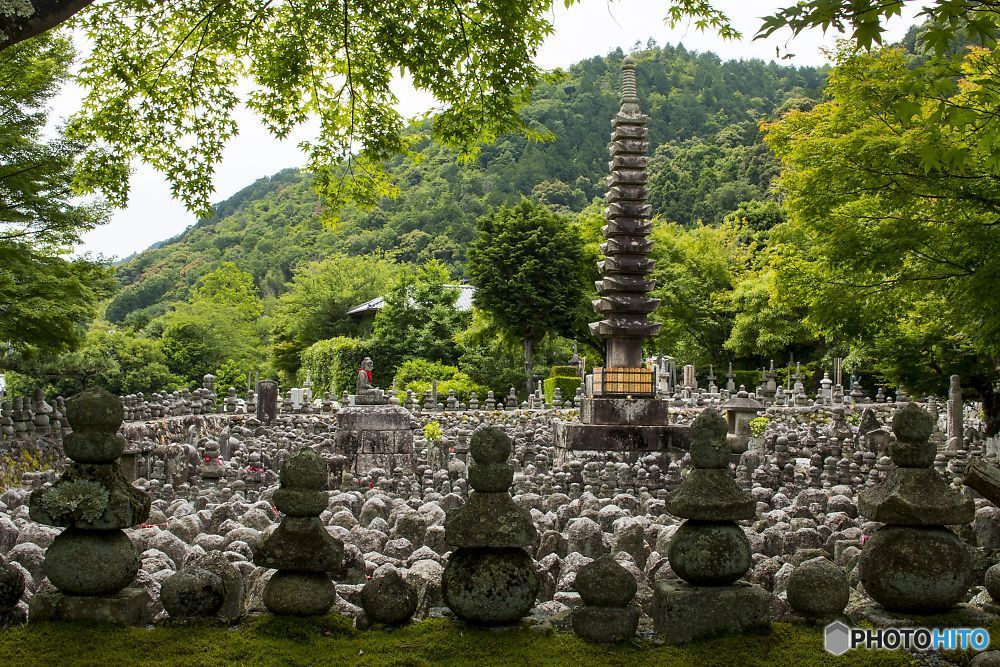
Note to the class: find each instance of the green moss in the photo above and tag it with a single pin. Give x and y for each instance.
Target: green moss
(332, 640)
(68, 502)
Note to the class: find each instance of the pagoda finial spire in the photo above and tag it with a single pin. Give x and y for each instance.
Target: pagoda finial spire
(630, 99)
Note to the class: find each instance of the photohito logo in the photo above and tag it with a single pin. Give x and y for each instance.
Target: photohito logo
(839, 638)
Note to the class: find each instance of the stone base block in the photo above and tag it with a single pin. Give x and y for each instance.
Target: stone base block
(127, 607)
(683, 613)
(606, 625)
(635, 440)
(635, 412)
(375, 437)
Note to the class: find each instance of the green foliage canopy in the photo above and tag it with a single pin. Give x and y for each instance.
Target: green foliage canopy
(527, 264)
(46, 300)
(890, 246)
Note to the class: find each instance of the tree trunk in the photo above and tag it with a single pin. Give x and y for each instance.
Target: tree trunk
(529, 352)
(42, 15)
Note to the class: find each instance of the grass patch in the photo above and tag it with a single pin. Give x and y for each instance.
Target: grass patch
(332, 640)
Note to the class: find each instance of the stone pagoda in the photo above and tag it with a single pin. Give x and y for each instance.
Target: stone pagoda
(621, 411)
(914, 563)
(92, 562)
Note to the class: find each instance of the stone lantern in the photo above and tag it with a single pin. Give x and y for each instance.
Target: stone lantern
(739, 411)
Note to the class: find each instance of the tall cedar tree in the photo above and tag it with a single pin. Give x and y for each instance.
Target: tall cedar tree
(527, 266)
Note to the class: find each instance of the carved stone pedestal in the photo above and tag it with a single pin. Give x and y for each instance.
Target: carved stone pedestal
(127, 607)
(683, 613)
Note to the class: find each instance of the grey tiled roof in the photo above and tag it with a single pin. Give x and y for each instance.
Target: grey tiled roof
(463, 303)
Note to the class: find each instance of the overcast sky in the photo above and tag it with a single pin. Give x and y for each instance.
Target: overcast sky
(589, 28)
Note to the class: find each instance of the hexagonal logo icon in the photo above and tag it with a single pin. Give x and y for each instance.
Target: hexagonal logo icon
(837, 638)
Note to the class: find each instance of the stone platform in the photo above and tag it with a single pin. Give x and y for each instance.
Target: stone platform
(619, 411)
(127, 607)
(683, 613)
(632, 427)
(634, 441)
(375, 436)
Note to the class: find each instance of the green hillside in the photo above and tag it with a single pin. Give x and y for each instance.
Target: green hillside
(708, 159)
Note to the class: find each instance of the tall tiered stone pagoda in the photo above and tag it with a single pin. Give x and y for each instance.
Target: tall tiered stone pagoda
(621, 411)
(625, 286)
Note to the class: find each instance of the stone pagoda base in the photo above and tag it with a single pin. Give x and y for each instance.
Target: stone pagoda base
(127, 607)
(375, 436)
(633, 427)
(683, 613)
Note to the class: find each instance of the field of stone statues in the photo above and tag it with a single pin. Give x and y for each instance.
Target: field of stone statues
(482, 541)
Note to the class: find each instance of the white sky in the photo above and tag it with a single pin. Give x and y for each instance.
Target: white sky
(589, 28)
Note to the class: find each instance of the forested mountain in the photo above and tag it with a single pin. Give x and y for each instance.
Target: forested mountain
(707, 159)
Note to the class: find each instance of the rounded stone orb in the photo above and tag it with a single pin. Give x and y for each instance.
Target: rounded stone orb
(292, 593)
(300, 503)
(912, 423)
(709, 553)
(91, 562)
(709, 448)
(192, 592)
(605, 583)
(920, 570)
(93, 447)
(11, 586)
(95, 409)
(818, 588)
(305, 471)
(490, 586)
(489, 445)
(491, 477)
(388, 599)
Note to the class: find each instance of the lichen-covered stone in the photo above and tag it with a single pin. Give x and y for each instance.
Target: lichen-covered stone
(683, 613)
(300, 543)
(916, 497)
(88, 562)
(606, 625)
(709, 449)
(300, 548)
(491, 477)
(216, 562)
(604, 583)
(913, 563)
(709, 553)
(910, 569)
(92, 560)
(490, 520)
(913, 424)
(490, 445)
(96, 410)
(291, 593)
(992, 582)
(93, 447)
(711, 495)
(490, 578)
(73, 499)
(387, 598)
(492, 586)
(818, 589)
(192, 592)
(294, 502)
(305, 471)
